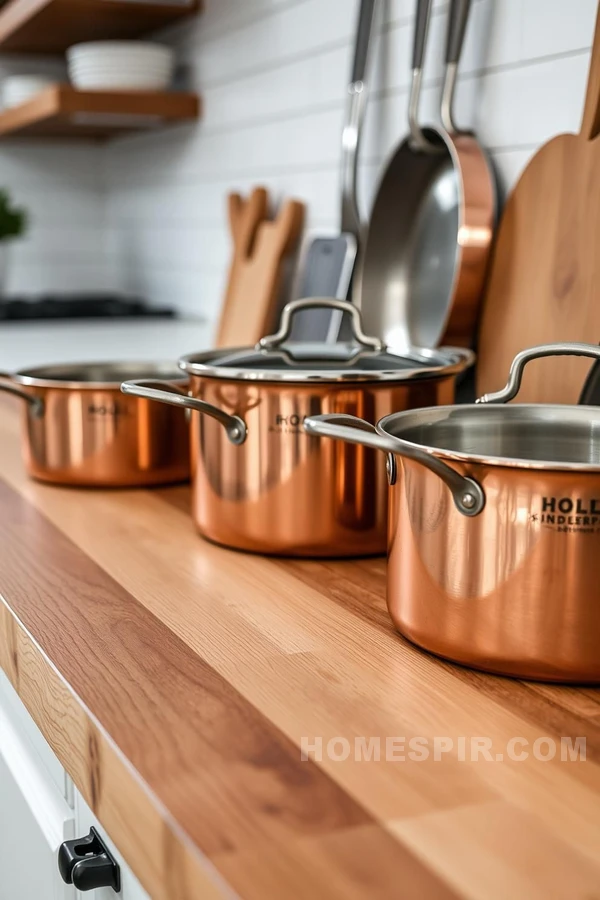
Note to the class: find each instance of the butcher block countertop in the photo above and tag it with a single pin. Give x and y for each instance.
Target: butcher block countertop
(176, 681)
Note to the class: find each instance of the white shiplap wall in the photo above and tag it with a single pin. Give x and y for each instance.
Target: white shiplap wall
(273, 74)
(62, 187)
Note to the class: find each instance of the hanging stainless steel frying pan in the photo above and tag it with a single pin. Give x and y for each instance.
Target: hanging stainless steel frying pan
(431, 228)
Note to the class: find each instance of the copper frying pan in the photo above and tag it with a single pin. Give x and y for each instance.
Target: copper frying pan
(431, 227)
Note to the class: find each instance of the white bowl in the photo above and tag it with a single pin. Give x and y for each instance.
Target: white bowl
(104, 68)
(163, 63)
(141, 81)
(121, 50)
(18, 89)
(118, 47)
(126, 65)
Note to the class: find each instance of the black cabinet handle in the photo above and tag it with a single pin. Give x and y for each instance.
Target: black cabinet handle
(87, 863)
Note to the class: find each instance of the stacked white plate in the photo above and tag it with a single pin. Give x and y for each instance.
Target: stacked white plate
(120, 65)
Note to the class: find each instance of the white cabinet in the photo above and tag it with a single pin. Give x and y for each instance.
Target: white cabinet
(34, 819)
(39, 809)
(10, 702)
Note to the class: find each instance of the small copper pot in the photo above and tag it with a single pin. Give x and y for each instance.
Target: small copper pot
(494, 529)
(79, 429)
(259, 482)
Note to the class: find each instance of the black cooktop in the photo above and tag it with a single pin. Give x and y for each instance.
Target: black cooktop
(78, 306)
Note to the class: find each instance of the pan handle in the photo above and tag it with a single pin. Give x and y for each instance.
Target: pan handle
(422, 18)
(273, 341)
(517, 368)
(468, 495)
(36, 404)
(355, 113)
(162, 391)
(458, 18)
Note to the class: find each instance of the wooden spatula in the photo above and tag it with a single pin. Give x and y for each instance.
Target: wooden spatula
(544, 283)
(244, 218)
(260, 248)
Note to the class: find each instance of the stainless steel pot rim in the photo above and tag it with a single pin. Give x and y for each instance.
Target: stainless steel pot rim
(93, 375)
(541, 419)
(249, 364)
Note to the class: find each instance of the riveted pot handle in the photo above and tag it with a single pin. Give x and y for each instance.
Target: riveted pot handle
(162, 391)
(515, 376)
(468, 495)
(36, 404)
(273, 341)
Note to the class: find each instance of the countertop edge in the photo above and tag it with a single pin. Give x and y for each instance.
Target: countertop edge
(161, 856)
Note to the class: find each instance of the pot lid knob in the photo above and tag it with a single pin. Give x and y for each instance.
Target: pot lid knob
(273, 341)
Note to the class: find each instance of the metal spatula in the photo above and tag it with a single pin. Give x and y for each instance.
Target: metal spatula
(330, 261)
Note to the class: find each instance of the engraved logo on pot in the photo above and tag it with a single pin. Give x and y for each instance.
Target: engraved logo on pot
(291, 424)
(569, 515)
(106, 410)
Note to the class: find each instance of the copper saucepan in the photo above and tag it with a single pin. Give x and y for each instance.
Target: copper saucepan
(259, 481)
(79, 429)
(494, 529)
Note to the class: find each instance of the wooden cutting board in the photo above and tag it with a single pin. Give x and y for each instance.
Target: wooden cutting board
(260, 248)
(544, 283)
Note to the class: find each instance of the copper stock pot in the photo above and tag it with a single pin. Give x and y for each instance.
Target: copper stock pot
(259, 481)
(494, 528)
(79, 429)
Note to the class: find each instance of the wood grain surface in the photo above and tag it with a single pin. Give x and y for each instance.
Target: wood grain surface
(544, 278)
(51, 26)
(63, 111)
(176, 680)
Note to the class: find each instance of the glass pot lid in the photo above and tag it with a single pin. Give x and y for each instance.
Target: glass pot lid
(276, 358)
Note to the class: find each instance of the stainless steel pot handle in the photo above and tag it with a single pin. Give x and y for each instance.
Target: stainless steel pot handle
(515, 376)
(468, 495)
(152, 389)
(273, 341)
(36, 404)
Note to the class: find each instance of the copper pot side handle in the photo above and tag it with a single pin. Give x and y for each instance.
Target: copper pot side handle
(468, 495)
(515, 376)
(162, 391)
(36, 404)
(273, 341)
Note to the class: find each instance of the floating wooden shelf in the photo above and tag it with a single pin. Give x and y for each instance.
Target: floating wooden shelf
(50, 26)
(63, 111)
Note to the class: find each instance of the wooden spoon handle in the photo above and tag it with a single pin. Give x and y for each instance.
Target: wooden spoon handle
(235, 205)
(288, 225)
(244, 218)
(590, 125)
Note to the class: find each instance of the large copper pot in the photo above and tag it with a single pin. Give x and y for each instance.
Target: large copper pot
(494, 529)
(259, 482)
(79, 429)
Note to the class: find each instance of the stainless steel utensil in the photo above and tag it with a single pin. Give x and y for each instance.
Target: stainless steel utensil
(499, 572)
(330, 261)
(431, 228)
